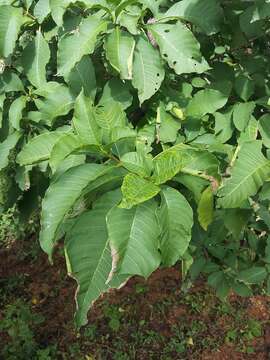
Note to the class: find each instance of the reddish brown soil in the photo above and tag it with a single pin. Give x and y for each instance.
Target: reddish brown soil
(51, 293)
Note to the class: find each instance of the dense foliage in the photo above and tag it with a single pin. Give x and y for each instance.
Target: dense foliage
(144, 127)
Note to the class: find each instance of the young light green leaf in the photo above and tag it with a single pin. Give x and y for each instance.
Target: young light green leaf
(15, 111)
(72, 47)
(206, 208)
(148, 69)
(179, 48)
(249, 172)
(119, 47)
(11, 20)
(140, 165)
(133, 236)
(136, 190)
(92, 264)
(176, 220)
(169, 162)
(35, 57)
(84, 120)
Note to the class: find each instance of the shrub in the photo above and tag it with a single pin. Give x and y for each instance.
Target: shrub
(144, 127)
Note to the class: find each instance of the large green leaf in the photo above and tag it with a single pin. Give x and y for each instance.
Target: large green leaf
(89, 256)
(16, 110)
(136, 190)
(249, 172)
(179, 48)
(58, 101)
(65, 146)
(109, 116)
(6, 146)
(116, 90)
(84, 120)
(35, 57)
(38, 148)
(169, 162)
(148, 71)
(206, 101)
(253, 275)
(119, 47)
(57, 203)
(264, 128)
(11, 19)
(176, 220)
(10, 81)
(207, 15)
(42, 10)
(83, 76)
(133, 238)
(72, 47)
(242, 113)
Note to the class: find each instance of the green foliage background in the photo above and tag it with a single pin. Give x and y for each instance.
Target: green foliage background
(144, 127)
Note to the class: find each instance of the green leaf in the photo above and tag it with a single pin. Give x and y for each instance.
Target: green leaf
(6, 146)
(85, 121)
(90, 262)
(168, 126)
(140, 165)
(152, 5)
(35, 57)
(206, 208)
(207, 15)
(244, 87)
(169, 162)
(65, 146)
(11, 20)
(264, 128)
(136, 190)
(242, 113)
(119, 47)
(133, 240)
(58, 8)
(83, 76)
(116, 91)
(42, 10)
(223, 126)
(10, 81)
(38, 148)
(253, 275)
(249, 172)
(108, 117)
(16, 110)
(148, 71)
(206, 101)
(58, 101)
(242, 289)
(57, 203)
(72, 47)
(179, 48)
(176, 220)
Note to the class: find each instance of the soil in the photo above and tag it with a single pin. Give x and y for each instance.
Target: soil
(151, 314)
